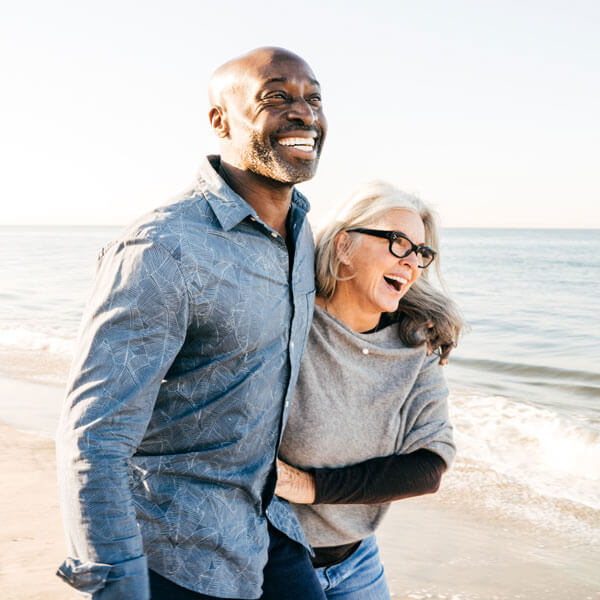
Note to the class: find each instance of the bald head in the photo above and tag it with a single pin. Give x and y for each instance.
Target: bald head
(232, 75)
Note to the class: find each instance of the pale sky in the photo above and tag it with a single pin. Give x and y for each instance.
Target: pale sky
(489, 110)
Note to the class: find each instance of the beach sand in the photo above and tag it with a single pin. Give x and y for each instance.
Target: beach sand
(432, 549)
(31, 535)
(444, 547)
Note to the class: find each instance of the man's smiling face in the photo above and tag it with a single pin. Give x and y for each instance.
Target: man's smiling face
(275, 119)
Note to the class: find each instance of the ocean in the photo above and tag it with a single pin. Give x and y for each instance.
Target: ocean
(524, 380)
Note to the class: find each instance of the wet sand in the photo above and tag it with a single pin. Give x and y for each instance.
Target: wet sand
(432, 549)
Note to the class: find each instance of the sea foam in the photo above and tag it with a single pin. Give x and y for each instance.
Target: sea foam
(24, 338)
(555, 455)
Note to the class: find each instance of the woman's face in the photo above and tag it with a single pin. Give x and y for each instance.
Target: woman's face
(380, 278)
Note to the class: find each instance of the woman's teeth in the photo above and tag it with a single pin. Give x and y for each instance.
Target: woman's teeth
(395, 281)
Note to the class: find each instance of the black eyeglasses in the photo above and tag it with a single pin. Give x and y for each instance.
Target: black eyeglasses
(401, 246)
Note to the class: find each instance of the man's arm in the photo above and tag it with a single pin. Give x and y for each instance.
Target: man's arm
(132, 329)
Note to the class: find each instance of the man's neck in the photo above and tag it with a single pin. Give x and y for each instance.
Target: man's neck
(270, 199)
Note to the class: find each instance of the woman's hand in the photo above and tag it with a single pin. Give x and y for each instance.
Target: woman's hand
(433, 345)
(294, 485)
(442, 351)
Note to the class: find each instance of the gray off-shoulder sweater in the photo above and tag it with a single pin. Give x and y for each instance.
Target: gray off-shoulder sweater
(360, 396)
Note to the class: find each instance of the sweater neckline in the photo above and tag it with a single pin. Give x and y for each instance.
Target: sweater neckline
(363, 336)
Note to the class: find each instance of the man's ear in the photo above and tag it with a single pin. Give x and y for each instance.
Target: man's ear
(218, 121)
(342, 247)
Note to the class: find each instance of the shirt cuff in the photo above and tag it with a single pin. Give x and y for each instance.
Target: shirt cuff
(128, 579)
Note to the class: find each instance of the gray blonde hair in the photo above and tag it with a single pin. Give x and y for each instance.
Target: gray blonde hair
(426, 313)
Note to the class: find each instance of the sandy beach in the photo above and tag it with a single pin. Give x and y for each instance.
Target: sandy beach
(31, 537)
(446, 547)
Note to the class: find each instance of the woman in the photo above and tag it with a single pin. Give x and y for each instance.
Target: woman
(369, 423)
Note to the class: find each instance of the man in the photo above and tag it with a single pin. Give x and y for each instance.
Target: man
(187, 359)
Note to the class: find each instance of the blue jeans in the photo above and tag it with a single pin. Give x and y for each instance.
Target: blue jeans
(359, 577)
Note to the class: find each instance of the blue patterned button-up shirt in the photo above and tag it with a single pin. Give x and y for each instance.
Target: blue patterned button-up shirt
(186, 363)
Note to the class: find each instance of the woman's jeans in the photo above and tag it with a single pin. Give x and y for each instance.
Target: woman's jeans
(359, 577)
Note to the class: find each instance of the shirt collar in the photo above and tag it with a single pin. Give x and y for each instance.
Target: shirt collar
(230, 208)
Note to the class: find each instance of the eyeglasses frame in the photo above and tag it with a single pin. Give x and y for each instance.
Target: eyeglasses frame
(392, 236)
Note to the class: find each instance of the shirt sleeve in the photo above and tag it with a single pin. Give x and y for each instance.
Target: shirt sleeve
(380, 479)
(133, 327)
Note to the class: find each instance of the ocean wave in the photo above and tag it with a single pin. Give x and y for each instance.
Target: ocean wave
(578, 389)
(28, 339)
(531, 371)
(555, 455)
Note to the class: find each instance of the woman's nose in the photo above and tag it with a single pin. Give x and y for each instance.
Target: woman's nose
(411, 260)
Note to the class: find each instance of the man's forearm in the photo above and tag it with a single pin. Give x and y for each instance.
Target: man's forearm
(105, 547)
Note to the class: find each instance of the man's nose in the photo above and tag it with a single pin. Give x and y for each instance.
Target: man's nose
(301, 110)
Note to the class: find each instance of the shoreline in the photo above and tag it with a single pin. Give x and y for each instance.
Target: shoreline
(449, 546)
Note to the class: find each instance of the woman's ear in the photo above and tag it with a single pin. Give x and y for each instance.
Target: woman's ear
(218, 121)
(343, 242)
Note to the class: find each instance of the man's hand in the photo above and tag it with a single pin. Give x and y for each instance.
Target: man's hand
(294, 485)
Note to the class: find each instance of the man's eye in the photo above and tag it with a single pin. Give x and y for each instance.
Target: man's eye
(277, 96)
(315, 99)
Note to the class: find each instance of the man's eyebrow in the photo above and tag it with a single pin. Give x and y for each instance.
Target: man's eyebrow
(285, 80)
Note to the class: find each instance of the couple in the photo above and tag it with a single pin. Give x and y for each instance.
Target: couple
(174, 468)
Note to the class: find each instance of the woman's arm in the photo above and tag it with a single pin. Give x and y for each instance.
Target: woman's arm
(374, 481)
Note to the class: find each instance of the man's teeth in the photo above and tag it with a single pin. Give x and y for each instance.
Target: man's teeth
(306, 144)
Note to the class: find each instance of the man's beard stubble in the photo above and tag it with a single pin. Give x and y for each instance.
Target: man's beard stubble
(264, 160)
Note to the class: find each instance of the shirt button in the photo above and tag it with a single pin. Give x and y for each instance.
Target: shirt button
(252, 219)
(365, 351)
(287, 403)
(291, 345)
(274, 234)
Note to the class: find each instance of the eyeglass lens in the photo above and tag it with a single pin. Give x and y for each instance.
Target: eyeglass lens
(402, 248)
